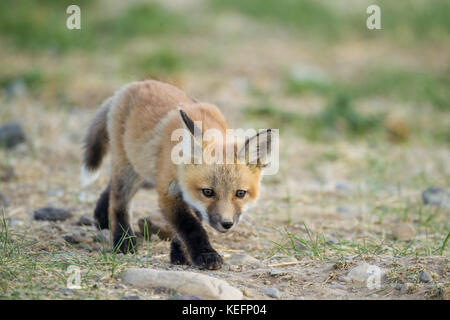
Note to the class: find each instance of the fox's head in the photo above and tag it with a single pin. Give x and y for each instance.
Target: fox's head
(220, 191)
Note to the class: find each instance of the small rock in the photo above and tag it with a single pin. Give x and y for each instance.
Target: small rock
(4, 200)
(337, 286)
(55, 193)
(11, 134)
(277, 272)
(73, 238)
(186, 297)
(247, 293)
(132, 297)
(14, 222)
(424, 276)
(52, 214)
(407, 288)
(398, 286)
(436, 197)
(343, 279)
(242, 259)
(66, 291)
(183, 282)
(350, 258)
(103, 236)
(404, 231)
(271, 292)
(86, 220)
(6, 173)
(363, 271)
(154, 225)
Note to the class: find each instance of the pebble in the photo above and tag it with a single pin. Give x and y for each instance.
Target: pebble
(86, 220)
(14, 222)
(4, 200)
(424, 276)
(52, 214)
(132, 297)
(404, 231)
(436, 197)
(242, 259)
(184, 282)
(407, 288)
(73, 238)
(337, 286)
(343, 279)
(11, 134)
(6, 173)
(103, 236)
(362, 272)
(186, 297)
(271, 292)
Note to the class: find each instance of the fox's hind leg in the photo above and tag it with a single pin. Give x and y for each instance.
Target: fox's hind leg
(101, 210)
(125, 182)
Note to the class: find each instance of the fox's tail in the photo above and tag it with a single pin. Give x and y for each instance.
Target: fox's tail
(96, 144)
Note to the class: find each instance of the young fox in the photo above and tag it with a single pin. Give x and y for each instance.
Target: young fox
(136, 125)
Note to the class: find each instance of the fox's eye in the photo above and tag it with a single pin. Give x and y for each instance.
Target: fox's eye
(240, 193)
(208, 192)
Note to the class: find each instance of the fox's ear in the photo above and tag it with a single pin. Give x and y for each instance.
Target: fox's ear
(192, 138)
(257, 150)
(189, 125)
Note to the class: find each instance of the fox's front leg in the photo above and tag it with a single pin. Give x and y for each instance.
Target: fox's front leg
(193, 235)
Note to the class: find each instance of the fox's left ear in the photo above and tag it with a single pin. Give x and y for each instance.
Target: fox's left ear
(257, 150)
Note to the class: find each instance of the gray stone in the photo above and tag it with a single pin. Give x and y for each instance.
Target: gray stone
(242, 259)
(425, 277)
(86, 220)
(183, 282)
(364, 271)
(103, 236)
(271, 292)
(11, 134)
(436, 197)
(337, 286)
(14, 222)
(73, 238)
(52, 214)
(132, 297)
(4, 201)
(343, 279)
(186, 297)
(6, 173)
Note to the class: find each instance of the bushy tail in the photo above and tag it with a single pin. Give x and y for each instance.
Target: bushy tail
(96, 145)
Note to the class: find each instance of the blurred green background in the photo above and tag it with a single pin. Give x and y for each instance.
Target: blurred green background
(310, 66)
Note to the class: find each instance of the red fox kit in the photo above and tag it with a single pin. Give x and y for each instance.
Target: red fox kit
(136, 126)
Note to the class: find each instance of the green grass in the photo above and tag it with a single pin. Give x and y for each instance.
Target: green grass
(161, 63)
(403, 21)
(41, 25)
(339, 118)
(414, 86)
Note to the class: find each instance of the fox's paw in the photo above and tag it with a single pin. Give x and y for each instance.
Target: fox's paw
(209, 260)
(125, 241)
(178, 257)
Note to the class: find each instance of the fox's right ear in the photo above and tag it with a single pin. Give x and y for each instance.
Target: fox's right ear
(192, 139)
(189, 125)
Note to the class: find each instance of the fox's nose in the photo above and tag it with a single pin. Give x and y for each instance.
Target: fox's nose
(227, 224)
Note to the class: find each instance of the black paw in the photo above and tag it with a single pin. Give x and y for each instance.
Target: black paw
(209, 260)
(125, 241)
(177, 257)
(177, 253)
